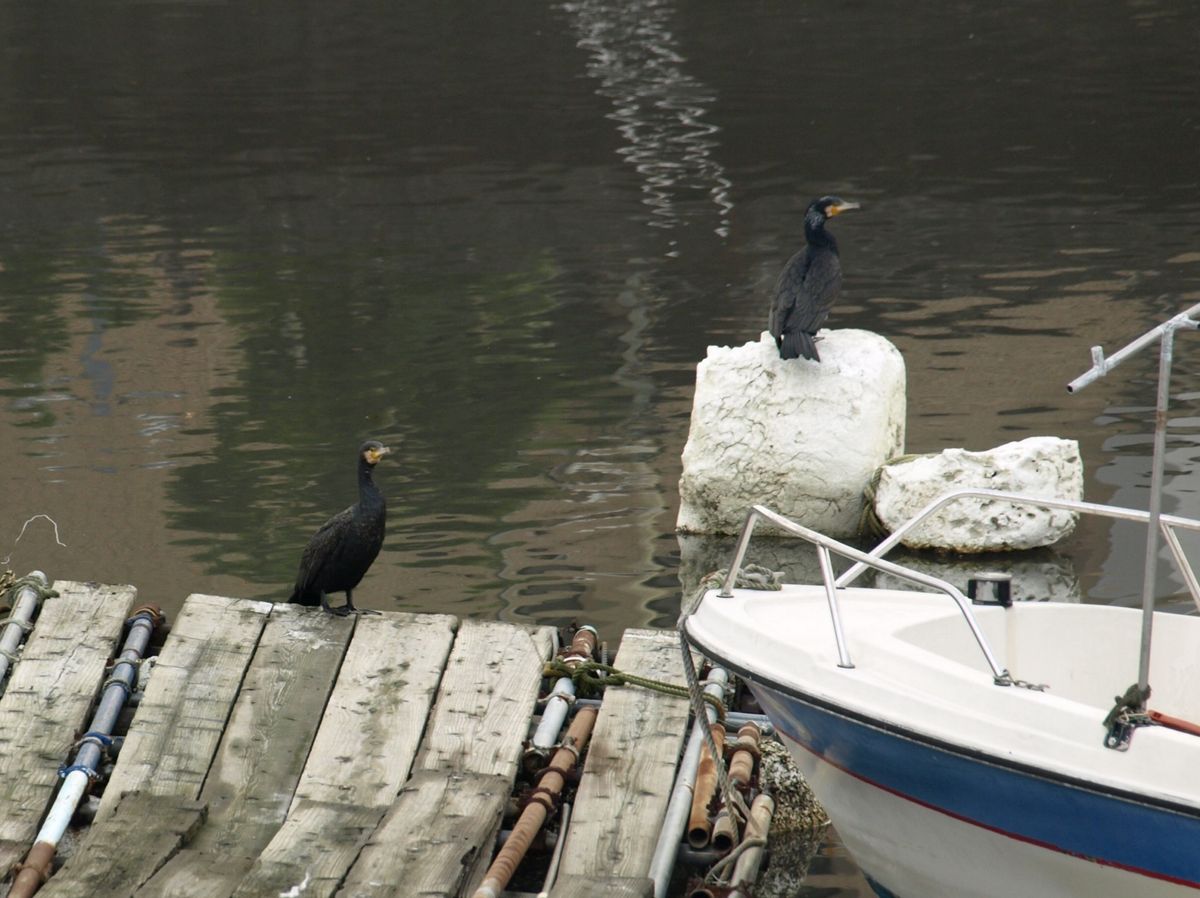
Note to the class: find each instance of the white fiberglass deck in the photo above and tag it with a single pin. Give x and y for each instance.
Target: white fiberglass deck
(917, 667)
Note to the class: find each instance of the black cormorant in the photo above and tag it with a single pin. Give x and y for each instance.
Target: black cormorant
(808, 284)
(339, 554)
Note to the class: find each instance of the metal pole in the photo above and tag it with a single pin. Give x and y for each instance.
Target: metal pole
(834, 613)
(739, 554)
(1166, 351)
(1101, 365)
(1165, 333)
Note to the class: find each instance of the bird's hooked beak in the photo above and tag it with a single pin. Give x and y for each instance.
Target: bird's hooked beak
(841, 206)
(374, 455)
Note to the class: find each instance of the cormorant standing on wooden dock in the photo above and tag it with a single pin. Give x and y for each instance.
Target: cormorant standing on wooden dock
(808, 284)
(339, 554)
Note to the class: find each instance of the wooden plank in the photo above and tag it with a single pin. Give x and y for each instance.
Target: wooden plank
(267, 739)
(198, 874)
(174, 735)
(591, 886)
(312, 851)
(362, 753)
(49, 700)
(486, 699)
(440, 833)
(113, 860)
(630, 768)
(262, 753)
(374, 720)
(436, 841)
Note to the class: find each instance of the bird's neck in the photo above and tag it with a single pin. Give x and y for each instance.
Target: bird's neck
(368, 492)
(816, 235)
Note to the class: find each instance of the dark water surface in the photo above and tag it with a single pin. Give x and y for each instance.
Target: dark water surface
(239, 238)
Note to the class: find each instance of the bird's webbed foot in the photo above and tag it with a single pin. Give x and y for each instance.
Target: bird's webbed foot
(340, 610)
(349, 608)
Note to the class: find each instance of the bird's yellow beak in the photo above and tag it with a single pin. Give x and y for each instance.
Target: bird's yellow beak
(374, 455)
(840, 208)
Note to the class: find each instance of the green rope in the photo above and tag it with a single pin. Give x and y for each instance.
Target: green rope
(591, 678)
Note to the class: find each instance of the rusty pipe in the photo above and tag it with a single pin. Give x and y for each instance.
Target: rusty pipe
(700, 824)
(745, 871)
(583, 645)
(35, 871)
(540, 805)
(745, 752)
(724, 831)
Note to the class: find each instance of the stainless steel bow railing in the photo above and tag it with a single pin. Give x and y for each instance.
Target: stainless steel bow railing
(825, 545)
(874, 559)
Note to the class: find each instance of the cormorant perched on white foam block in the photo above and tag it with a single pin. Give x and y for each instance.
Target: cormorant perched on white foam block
(808, 284)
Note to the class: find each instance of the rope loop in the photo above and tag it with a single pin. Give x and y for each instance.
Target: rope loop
(44, 591)
(592, 678)
(23, 624)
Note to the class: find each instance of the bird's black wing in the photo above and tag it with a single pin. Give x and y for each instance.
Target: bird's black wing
(822, 282)
(320, 558)
(789, 290)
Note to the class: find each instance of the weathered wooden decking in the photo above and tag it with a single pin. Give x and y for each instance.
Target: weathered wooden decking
(280, 751)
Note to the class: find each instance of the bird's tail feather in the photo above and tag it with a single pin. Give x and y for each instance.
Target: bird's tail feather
(799, 344)
(298, 597)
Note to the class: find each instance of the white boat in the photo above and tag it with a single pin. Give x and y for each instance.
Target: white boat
(968, 749)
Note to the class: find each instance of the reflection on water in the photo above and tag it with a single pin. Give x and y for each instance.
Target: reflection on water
(833, 873)
(661, 111)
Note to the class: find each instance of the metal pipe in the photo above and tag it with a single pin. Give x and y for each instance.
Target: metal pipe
(1166, 351)
(1165, 334)
(725, 831)
(558, 705)
(20, 620)
(1108, 511)
(745, 872)
(739, 554)
(539, 807)
(1101, 366)
(1171, 538)
(835, 616)
(745, 752)
(77, 778)
(680, 804)
(699, 824)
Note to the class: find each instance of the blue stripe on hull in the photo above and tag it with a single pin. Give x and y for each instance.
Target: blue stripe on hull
(1058, 814)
